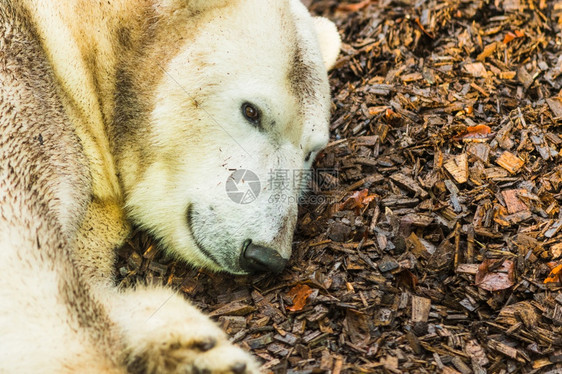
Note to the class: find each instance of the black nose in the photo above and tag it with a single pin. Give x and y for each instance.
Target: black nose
(256, 258)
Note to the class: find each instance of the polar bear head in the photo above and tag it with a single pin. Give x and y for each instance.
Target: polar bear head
(236, 119)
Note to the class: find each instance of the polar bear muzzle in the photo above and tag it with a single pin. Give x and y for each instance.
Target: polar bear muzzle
(227, 249)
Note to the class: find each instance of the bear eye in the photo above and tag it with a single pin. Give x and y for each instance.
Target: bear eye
(251, 113)
(307, 158)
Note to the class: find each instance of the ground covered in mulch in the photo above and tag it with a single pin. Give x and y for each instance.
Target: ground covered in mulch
(434, 242)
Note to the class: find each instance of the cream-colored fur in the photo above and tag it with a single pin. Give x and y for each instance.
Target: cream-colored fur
(119, 112)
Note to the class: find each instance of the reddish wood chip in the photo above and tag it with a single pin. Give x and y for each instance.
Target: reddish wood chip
(500, 278)
(555, 275)
(300, 294)
(358, 200)
(509, 37)
(475, 132)
(512, 201)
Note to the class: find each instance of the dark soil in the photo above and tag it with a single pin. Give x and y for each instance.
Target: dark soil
(433, 242)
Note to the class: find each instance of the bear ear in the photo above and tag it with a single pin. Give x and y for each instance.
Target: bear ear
(329, 40)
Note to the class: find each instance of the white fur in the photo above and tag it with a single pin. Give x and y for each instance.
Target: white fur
(329, 39)
(195, 112)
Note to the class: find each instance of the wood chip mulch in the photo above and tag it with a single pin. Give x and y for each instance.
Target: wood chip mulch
(434, 245)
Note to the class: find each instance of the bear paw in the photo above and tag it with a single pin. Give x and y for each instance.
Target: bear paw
(165, 334)
(191, 354)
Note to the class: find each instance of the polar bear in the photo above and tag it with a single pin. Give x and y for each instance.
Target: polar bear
(117, 113)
